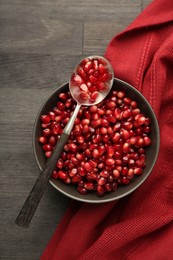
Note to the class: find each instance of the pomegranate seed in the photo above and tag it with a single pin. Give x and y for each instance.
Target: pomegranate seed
(60, 164)
(63, 96)
(114, 186)
(116, 173)
(52, 140)
(89, 185)
(110, 161)
(45, 119)
(120, 94)
(52, 115)
(73, 172)
(80, 139)
(138, 171)
(100, 190)
(47, 147)
(48, 154)
(147, 141)
(62, 175)
(125, 180)
(42, 139)
(84, 95)
(54, 174)
(84, 88)
(81, 171)
(72, 147)
(116, 137)
(76, 178)
(93, 96)
(96, 153)
(82, 190)
(85, 122)
(91, 176)
(88, 167)
(104, 174)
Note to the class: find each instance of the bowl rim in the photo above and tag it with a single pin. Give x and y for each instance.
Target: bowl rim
(101, 199)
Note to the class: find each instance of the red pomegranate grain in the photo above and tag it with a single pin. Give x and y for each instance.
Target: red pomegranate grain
(107, 146)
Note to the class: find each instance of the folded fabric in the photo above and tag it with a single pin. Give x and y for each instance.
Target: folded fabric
(139, 226)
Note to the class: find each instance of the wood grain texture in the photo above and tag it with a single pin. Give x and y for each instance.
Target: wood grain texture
(40, 43)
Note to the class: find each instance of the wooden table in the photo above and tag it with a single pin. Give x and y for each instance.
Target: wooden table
(40, 42)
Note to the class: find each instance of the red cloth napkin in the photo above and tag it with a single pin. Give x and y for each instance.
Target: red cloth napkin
(139, 226)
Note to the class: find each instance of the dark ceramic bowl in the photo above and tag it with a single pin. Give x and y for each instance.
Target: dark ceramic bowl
(151, 151)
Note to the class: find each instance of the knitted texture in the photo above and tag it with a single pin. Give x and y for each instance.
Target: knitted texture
(139, 226)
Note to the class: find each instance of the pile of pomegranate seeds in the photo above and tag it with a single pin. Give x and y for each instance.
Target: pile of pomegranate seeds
(90, 78)
(106, 147)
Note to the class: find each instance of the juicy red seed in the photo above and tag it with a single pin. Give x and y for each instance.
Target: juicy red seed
(127, 113)
(52, 115)
(60, 164)
(76, 178)
(54, 174)
(94, 96)
(147, 140)
(116, 137)
(110, 161)
(42, 139)
(46, 132)
(110, 104)
(133, 140)
(80, 139)
(125, 180)
(84, 88)
(80, 156)
(100, 190)
(125, 134)
(110, 151)
(114, 186)
(72, 147)
(52, 140)
(120, 94)
(116, 173)
(47, 147)
(103, 130)
(85, 122)
(112, 119)
(48, 154)
(108, 187)
(72, 172)
(91, 176)
(67, 180)
(89, 185)
(93, 109)
(104, 174)
(126, 147)
(96, 153)
(45, 119)
(84, 95)
(82, 190)
(138, 171)
(62, 175)
(81, 171)
(102, 181)
(88, 167)
(63, 96)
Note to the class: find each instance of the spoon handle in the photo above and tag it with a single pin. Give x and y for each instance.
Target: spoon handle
(25, 215)
(33, 199)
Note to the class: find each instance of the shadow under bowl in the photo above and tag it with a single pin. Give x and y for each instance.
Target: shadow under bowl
(123, 190)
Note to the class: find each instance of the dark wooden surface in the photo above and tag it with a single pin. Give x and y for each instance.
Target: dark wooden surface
(40, 43)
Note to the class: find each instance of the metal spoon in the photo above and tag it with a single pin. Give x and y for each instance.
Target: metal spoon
(33, 199)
